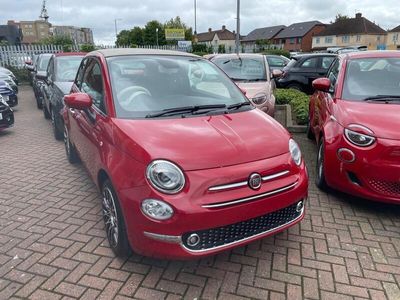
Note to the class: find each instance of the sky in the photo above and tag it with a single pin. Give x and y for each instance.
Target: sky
(100, 15)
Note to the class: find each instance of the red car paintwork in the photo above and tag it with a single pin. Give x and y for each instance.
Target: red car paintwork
(377, 166)
(211, 150)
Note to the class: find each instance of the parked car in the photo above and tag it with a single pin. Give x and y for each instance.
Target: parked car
(30, 66)
(40, 72)
(8, 94)
(58, 79)
(187, 167)
(354, 116)
(9, 73)
(6, 115)
(10, 82)
(252, 74)
(300, 72)
(277, 62)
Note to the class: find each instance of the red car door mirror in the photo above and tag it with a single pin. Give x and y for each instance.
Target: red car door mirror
(321, 84)
(79, 101)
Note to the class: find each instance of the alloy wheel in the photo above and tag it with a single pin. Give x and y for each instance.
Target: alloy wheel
(110, 217)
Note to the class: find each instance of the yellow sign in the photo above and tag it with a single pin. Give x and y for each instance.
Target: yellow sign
(174, 34)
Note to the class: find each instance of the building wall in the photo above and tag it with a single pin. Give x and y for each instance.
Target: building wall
(306, 42)
(34, 31)
(372, 41)
(324, 41)
(78, 35)
(11, 34)
(393, 41)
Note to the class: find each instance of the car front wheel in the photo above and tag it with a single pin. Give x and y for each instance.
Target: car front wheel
(320, 176)
(72, 155)
(58, 135)
(114, 221)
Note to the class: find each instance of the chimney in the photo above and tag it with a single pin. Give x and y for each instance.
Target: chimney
(358, 15)
(223, 27)
(209, 29)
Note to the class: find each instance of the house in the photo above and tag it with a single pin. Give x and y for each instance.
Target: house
(393, 41)
(10, 34)
(351, 32)
(266, 34)
(216, 38)
(298, 36)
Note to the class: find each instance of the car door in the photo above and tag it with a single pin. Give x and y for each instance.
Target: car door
(323, 101)
(324, 64)
(48, 84)
(91, 122)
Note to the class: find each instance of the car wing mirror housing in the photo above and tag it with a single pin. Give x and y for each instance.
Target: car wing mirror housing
(277, 73)
(80, 101)
(322, 84)
(41, 75)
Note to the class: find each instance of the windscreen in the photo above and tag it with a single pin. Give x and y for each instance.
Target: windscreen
(243, 68)
(371, 77)
(66, 67)
(143, 85)
(43, 63)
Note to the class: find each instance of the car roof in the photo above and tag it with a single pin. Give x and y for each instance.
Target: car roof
(371, 54)
(70, 54)
(314, 55)
(234, 55)
(139, 51)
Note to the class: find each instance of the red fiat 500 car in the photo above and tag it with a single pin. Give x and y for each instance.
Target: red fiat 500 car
(187, 167)
(354, 116)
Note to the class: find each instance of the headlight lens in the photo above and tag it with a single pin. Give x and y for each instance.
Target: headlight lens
(165, 176)
(259, 98)
(295, 152)
(157, 209)
(359, 139)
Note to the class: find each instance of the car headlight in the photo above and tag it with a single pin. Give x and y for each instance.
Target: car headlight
(165, 176)
(157, 209)
(259, 98)
(295, 152)
(359, 135)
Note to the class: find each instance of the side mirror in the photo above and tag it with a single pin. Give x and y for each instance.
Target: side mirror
(41, 75)
(322, 84)
(30, 68)
(79, 101)
(276, 73)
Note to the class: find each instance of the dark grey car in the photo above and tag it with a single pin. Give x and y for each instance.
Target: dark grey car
(38, 73)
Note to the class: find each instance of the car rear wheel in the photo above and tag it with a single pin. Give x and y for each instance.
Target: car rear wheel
(310, 134)
(320, 172)
(38, 102)
(58, 135)
(114, 221)
(72, 155)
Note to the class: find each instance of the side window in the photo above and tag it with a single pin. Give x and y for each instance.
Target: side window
(92, 84)
(79, 76)
(50, 68)
(310, 63)
(275, 62)
(333, 75)
(326, 62)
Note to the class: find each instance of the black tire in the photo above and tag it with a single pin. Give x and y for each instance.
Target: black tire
(114, 221)
(70, 151)
(58, 135)
(296, 86)
(310, 134)
(38, 102)
(320, 166)
(46, 113)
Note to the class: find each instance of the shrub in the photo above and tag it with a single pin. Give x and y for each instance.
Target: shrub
(87, 48)
(277, 52)
(298, 101)
(199, 53)
(21, 74)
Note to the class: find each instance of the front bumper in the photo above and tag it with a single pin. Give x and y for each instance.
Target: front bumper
(374, 174)
(6, 117)
(216, 217)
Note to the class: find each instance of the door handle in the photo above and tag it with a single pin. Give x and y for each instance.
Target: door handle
(73, 112)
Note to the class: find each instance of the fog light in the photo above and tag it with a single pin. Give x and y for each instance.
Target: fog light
(299, 206)
(346, 155)
(157, 209)
(193, 240)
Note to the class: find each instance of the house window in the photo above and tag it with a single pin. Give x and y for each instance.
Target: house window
(317, 40)
(328, 40)
(299, 40)
(395, 37)
(378, 38)
(358, 39)
(345, 39)
(292, 40)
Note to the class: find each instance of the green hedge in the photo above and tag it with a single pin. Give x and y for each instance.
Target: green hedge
(277, 52)
(298, 101)
(21, 74)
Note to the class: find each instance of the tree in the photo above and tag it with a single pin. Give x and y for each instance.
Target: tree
(177, 23)
(136, 36)
(60, 40)
(123, 38)
(150, 33)
(340, 17)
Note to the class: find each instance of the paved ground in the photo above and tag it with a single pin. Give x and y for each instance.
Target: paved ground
(52, 243)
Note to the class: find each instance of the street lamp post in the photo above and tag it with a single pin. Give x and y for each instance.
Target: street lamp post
(238, 28)
(116, 30)
(157, 36)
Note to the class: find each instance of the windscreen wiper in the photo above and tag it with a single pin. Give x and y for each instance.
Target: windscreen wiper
(184, 109)
(383, 98)
(237, 105)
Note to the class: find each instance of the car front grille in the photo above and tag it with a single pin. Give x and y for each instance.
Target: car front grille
(388, 188)
(221, 236)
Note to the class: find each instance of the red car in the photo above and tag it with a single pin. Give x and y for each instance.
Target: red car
(354, 116)
(186, 166)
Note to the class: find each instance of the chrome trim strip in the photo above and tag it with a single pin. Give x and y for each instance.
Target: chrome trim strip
(250, 237)
(244, 183)
(285, 188)
(164, 238)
